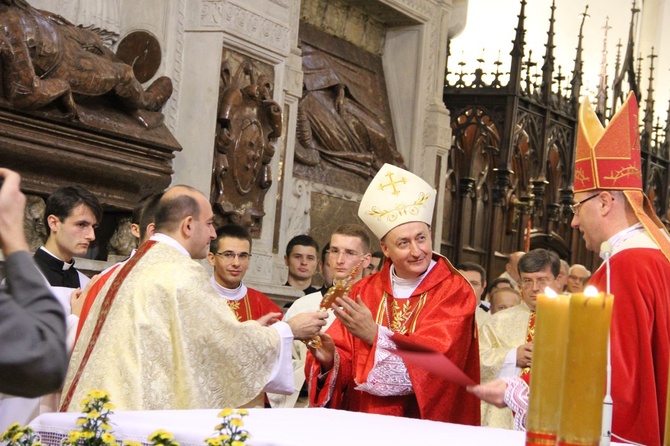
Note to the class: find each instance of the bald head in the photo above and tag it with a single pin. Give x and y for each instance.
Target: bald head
(512, 264)
(185, 215)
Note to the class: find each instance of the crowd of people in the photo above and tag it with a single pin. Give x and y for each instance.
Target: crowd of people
(153, 331)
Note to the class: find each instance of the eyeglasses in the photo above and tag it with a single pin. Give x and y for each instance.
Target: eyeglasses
(542, 282)
(575, 207)
(348, 253)
(230, 255)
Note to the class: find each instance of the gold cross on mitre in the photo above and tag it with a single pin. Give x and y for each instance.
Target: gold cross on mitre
(392, 183)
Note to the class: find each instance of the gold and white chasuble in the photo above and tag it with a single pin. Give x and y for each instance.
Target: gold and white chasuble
(504, 331)
(168, 343)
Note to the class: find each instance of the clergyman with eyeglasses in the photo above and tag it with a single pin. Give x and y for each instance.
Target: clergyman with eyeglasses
(348, 249)
(506, 345)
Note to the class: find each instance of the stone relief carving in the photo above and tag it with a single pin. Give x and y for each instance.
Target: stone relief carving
(340, 117)
(299, 206)
(248, 120)
(33, 222)
(46, 60)
(242, 22)
(99, 16)
(122, 241)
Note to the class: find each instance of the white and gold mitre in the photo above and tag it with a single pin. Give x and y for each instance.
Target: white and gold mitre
(394, 197)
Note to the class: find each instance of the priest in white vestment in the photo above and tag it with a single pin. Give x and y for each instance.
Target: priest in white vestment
(158, 338)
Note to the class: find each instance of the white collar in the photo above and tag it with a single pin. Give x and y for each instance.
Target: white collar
(235, 294)
(163, 238)
(620, 237)
(403, 288)
(66, 266)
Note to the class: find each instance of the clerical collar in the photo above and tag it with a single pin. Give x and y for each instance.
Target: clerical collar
(403, 288)
(620, 237)
(235, 294)
(64, 265)
(158, 237)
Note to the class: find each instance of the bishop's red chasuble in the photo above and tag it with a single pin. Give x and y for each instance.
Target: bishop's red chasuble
(439, 315)
(640, 342)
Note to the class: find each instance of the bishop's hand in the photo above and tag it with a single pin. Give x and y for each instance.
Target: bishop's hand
(325, 353)
(357, 318)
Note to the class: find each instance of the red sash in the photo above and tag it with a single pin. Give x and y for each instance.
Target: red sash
(102, 317)
(530, 333)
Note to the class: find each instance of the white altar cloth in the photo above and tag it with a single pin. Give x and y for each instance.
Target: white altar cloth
(286, 427)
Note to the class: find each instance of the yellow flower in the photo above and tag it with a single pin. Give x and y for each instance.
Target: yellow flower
(212, 442)
(236, 422)
(243, 412)
(93, 414)
(37, 443)
(238, 443)
(161, 434)
(98, 394)
(108, 406)
(88, 434)
(226, 412)
(73, 436)
(107, 438)
(224, 437)
(105, 426)
(81, 420)
(131, 443)
(86, 401)
(17, 436)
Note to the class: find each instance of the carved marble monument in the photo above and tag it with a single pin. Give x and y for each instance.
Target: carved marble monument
(310, 62)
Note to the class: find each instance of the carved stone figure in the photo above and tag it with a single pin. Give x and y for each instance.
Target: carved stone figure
(45, 58)
(248, 120)
(122, 241)
(337, 119)
(33, 221)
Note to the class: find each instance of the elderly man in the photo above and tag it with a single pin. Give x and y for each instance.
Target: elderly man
(577, 278)
(161, 338)
(418, 295)
(611, 207)
(506, 340)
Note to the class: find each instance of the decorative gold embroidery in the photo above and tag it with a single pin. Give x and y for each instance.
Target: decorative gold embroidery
(400, 209)
(392, 183)
(404, 319)
(623, 173)
(235, 306)
(579, 176)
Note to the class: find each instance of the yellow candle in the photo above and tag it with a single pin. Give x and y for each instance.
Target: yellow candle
(546, 377)
(585, 368)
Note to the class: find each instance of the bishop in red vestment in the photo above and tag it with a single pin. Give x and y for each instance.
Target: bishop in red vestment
(417, 294)
(615, 216)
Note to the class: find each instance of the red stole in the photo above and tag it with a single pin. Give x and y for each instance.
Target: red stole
(102, 317)
(530, 333)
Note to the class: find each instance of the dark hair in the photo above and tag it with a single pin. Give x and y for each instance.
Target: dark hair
(324, 253)
(63, 200)
(354, 230)
(148, 212)
(173, 209)
(470, 266)
(379, 255)
(537, 260)
(229, 231)
(302, 240)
